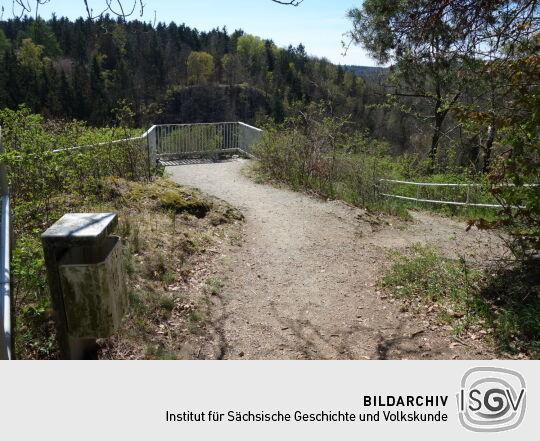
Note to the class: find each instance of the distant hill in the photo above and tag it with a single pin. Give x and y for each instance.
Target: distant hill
(368, 73)
(82, 69)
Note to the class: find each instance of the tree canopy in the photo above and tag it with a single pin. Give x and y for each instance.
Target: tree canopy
(200, 67)
(477, 62)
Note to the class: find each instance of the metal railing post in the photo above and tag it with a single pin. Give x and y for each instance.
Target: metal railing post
(5, 255)
(151, 139)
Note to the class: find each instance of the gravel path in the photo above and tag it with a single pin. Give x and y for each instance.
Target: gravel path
(303, 285)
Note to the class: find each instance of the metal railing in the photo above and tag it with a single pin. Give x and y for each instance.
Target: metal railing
(466, 203)
(181, 140)
(167, 141)
(249, 136)
(5, 251)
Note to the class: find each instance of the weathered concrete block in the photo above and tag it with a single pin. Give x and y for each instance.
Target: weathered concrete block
(94, 289)
(86, 279)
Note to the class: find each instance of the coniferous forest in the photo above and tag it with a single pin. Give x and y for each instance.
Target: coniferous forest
(171, 73)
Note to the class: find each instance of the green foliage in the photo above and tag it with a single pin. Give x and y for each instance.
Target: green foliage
(303, 150)
(5, 44)
(42, 34)
(425, 274)
(44, 184)
(200, 67)
(321, 153)
(252, 53)
(30, 55)
(476, 63)
(521, 213)
(204, 137)
(424, 72)
(479, 193)
(85, 67)
(173, 200)
(233, 71)
(39, 173)
(514, 174)
(318, 152)
(502, 303)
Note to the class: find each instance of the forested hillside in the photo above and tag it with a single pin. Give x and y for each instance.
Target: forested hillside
(81, 69)
(368, 73)
(173, 73)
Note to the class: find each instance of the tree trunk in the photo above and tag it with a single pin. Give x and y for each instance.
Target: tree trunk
(487, 149)
(437, 130)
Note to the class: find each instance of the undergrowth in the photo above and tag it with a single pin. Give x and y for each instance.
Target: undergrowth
(158, 220)
(324, 154)
(500, 303)
(164, 249)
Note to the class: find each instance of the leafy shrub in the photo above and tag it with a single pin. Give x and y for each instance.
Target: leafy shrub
(317, 151)
(40, 168)
(44, 184)
(520, 215)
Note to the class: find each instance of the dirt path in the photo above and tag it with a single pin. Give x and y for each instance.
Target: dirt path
(302, 286)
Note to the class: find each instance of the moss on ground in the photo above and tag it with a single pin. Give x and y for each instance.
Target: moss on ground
(172, 238)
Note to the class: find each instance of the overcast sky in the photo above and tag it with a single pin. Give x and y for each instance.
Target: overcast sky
(318, 24)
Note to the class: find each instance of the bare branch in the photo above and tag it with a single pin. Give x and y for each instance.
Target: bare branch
(290, 3)
(38, 3)
(21, 8)
(23, 5)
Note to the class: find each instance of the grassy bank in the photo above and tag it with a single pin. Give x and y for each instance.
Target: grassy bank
(499, 304)
(172, 239)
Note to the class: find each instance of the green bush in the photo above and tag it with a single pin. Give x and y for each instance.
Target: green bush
(38, 172)
(45, 184)
(322, 153)
(325, 154)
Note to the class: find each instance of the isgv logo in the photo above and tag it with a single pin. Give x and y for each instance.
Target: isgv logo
(491, 399)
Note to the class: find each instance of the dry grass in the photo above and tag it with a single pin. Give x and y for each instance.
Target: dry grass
(173, 240)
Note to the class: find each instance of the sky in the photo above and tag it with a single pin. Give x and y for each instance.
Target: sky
(319, 25)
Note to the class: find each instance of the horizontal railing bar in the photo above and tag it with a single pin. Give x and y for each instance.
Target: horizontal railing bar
(436, 184)
(202, 152)
(204, 124)
(444, 202)
(80, 147)
(250, 127)
(145, 134)
(100, 144)
(430, 183)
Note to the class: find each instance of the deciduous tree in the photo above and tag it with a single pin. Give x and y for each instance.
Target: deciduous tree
(200, 67)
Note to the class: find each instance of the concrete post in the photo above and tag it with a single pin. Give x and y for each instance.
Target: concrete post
(86, 280)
